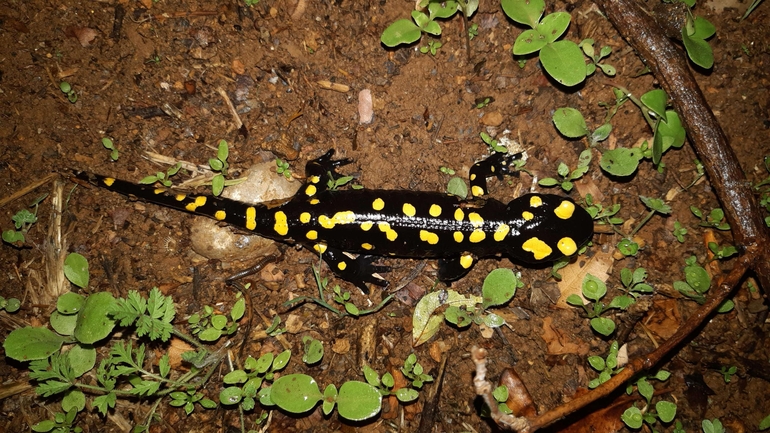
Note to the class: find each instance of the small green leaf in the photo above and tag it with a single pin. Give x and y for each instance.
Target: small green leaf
(499, 287)
(666, 410)
(358, 401)
(596, 362)
(94, 321)
(593, 288)
(217, 184)
(698, 50)
(406, 395)
(457, 187)
(603, 325)
(570, 122)
(223, 151)
(528, 42)
(621, 161)
(82, 359)
(297, 393)
(73, 400)
(632, 417)
(70, 303)
(526, 12)
(575, 300)
(552, 26)
(239, 309)
(31, 343)
(656, 101)
(76, 269)
(563, 61)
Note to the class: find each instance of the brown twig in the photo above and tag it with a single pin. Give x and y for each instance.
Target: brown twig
(669, 66)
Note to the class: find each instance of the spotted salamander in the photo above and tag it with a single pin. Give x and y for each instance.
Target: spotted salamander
(533, 228)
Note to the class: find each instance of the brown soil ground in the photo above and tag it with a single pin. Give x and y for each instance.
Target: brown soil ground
(152, 84)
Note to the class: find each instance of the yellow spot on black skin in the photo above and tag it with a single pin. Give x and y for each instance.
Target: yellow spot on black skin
(408, 210)
(304, 217)
(565, 210)
(459, 214)
(310, 190)
(473, 177)
(390, 234)
(428, 237)
(501, 232)
(180, 197)
(458, 236)
(567, 246)
(535, 201)
(477, 191)
(251, 218)
(366, 225)
(342, 266)
(325, 222)
(159, 191)
(320, 248)
(312, 235)
(315, 201)
(435, 210)
(378, 204)
(475, 219)
(367, 246)
(281, 225)
(527, 215)
(195, 204)
(345, 217)
(315, 179)
(220, 215)
(466, 261)
(538, 248)
(108, 181)
(477, 236)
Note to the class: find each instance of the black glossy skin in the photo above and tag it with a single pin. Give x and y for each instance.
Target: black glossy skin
(533, 228)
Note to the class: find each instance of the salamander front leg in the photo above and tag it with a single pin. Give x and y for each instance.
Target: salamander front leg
(321, 170)
(496, 165)
(358, 270)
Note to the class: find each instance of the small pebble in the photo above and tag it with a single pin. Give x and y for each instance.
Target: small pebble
(365, 109)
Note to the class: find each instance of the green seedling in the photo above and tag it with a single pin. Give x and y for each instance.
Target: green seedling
(275, 329)
(679, 231)
(282, 167)
(601, 214)
(728, 372)
(406, 31)
(493, 144)
(751, 8)
(460, 310)
(313, 350)
(61, 423)
(633, 282)
(67, 89)
(483, 101)
(563, 59)
(567, 176)
(715, 218)
(473, 31)
(219, 165)
(571, 124)
(246, 385)
(587, 45)
(209, 325)
(764, 424)
(712, 426)
(722, 252)
(22, 221)
(188, 399)
(626, 245)
(594, 290)
(446, 170)
(109, 145)
(607, 367)
(338, 295)
(154, 59)
(667, 129)
(697, 283)
(432, 48)
(250, 3)
(694, 34)
(10, 305)
(665, 411)
(164, 178)
(414, 372)
(334, 184)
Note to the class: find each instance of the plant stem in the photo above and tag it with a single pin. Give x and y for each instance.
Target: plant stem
(641, 223)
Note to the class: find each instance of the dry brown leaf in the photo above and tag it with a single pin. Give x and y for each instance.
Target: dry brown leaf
(560, 343)
(341, 346)
(84, 35)
(573, 274)
(294, 324)
(663, 318)
(175, 351)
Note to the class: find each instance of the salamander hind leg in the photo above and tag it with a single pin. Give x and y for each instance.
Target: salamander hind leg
(320, 172)
(359, 270)
(454, 268)
(495, 165)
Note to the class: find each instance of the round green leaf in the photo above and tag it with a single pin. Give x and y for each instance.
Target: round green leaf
(703, 28)
(405, 395)
(65, 87)
(264, 362)
(239, 308)
(457, 316)
(493, 320)
(603, 325)
(74, 399)
(666, 410)
(82, 359)
(94, 322)
(44, 426)
(63, 324)
(457, 187)
(76, 269)
(499, 287)
(656, 100)
(632, 417)
(528, 42)
(330, 398)
(70, 303)
(524, 11)
(575, 300)
(230, 395)
(621, 161)
(219, 321)
(596, 362)
(281, 360)
(29, 343)
(358, 401)
(697, 278)
(563, 61)
(554, 25)
(210, 334)
(593, 288)
(698, 50)
(402, 31)
(235, 376)
(314, 351)
(570, 122)
(296, 393)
